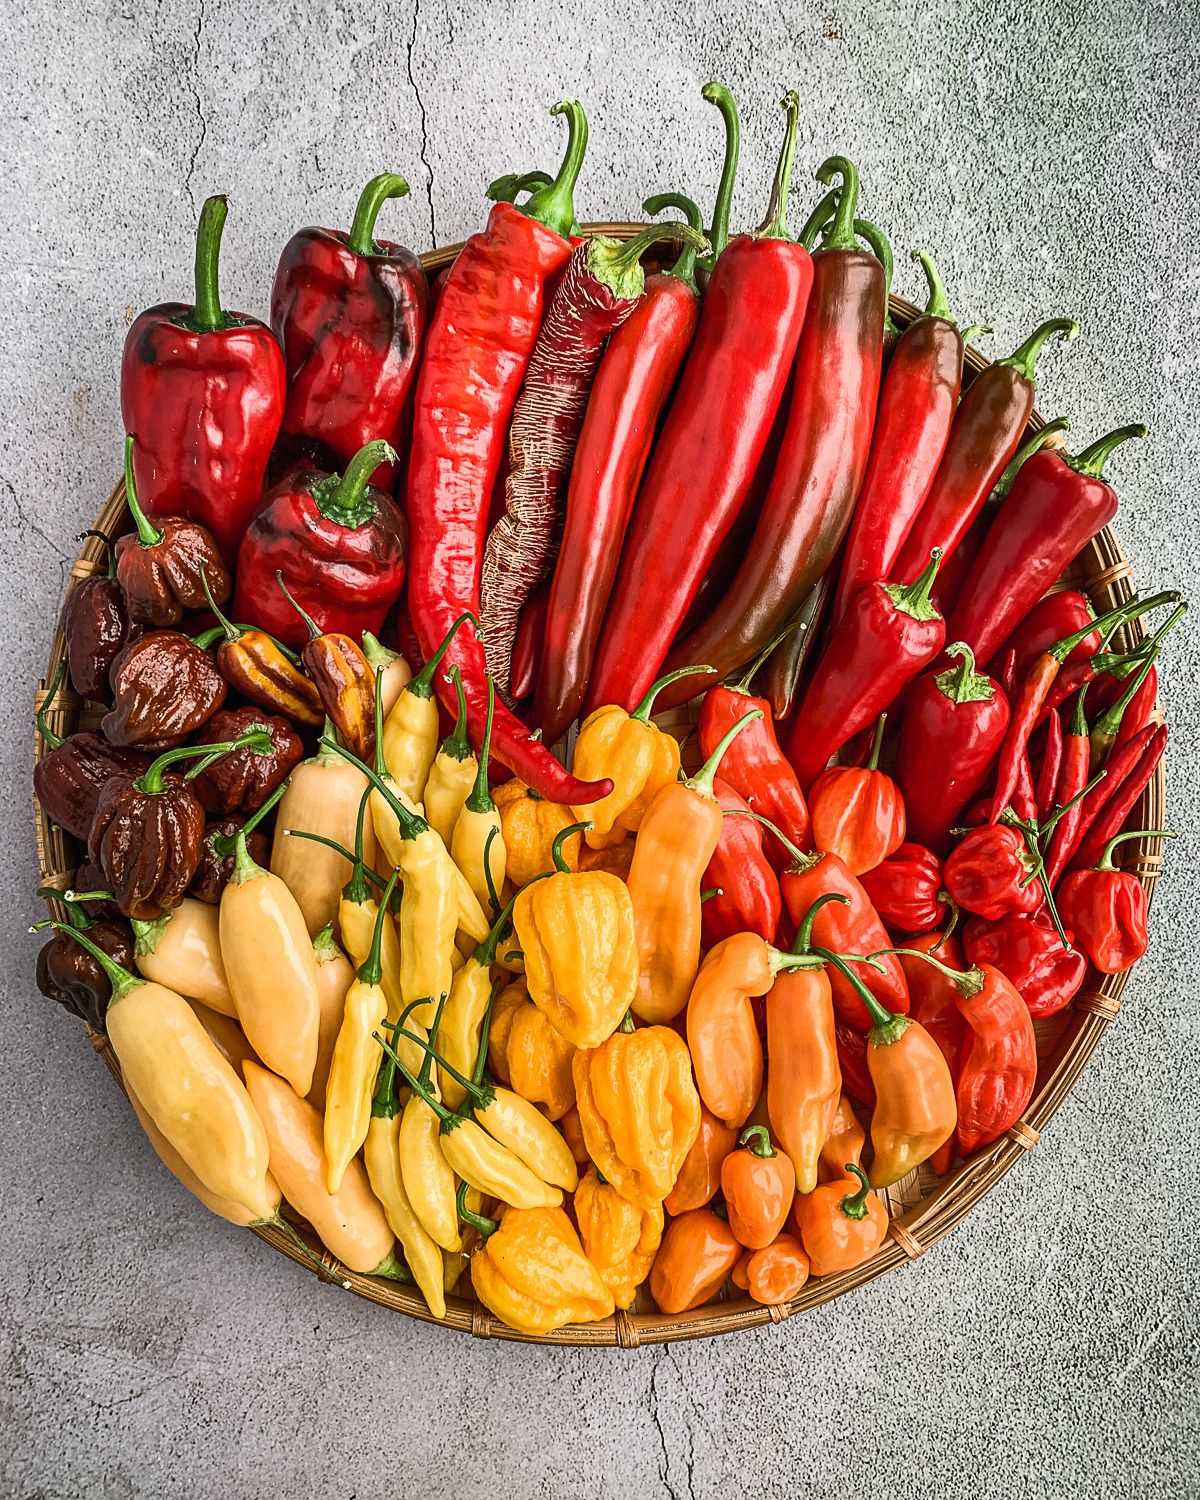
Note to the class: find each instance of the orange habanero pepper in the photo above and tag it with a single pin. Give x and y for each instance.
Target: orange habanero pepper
(841, 1224)
(774, 1274)
(843, 1144)
(697, 1253)
(759, 1184)
(700, 1176)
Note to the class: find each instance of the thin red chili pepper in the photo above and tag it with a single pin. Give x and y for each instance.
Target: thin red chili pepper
(1024, 797)
(1071, 781)
(1107, 727)
(1049, 768)
(1107, 784)
(1007, 675)
(1048, 621)
(1111, 819)
(528, 645)
(1140, 710)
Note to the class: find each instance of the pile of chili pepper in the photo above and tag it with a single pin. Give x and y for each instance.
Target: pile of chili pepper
(612, 1019)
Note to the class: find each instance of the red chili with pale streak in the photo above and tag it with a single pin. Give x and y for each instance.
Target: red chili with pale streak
(1072, 779)
(1110, 819)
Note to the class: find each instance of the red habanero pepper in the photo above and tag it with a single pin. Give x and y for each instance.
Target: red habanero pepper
(858, 812)
(953, 726)
(987, 428)
(1051, 618)
(823, 453)
(1027, 948)
(202, 394)
(1110, 818)
(480, 339)
(350, 313)
(600, 287)
(1106, 908)
(339, 544)
(991, 872)
(705, 458)
(1057, 504)
(888, 635)
(935, 1006)
(1049, 769)
(906, 890)
(1072, 779)
(747, 898)
(916, 407)
(632, 386)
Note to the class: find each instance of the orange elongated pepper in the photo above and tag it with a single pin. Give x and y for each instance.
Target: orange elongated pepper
(676, 839)
(700, 1176)
(759, 1184)
(841, 1224)
(697, 1254)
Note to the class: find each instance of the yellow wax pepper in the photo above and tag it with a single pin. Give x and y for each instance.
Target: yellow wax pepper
(182, 951)
(530, 825)
(470, 1206)
(619, 1238)
(392, 672)
(538, 1060)
(381, 1156)
(532, 1273)
(410, 732)
(427, 1175)
(581, 963)
(639, 1109)
(452, 774)
(636, 756)
(335, 975)
(462, 1020)
(355, 1064)
(477, 845)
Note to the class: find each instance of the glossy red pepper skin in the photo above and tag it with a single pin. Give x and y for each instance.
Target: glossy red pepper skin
(819, 471)
(999, 1064)
(1113, 815)
(953, 726)
(852, 926)
(755, 766)
(1072, 778)
(987, 873)
(1051, 619)
(479, 343)
(935, 1006)
(1140, 710)
(907, 892)
(858, 814)
(852, 1059)
(704, 460)
(351, 326)
(529, 645)
(1049, 769)
(884, 641)
(1026, 948)
(1106, 911)
(748, 899)
(631, 390)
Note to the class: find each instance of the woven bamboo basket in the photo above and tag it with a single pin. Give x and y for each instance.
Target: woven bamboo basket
(923, 1207)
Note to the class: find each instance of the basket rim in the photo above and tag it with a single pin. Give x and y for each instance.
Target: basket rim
(910, 1233)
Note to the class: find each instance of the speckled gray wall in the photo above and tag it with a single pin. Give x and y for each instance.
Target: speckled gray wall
(1050, 154)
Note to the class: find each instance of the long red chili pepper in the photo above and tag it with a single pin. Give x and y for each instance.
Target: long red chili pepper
(1057, 504)
(1024, 796)
(888, 636)
(631, 389)
(1049, 768)
(598, 290)
(1071, 781)
(822, 457)
(1111, 818)
(480, 340)
(1105, 786)
(1107, 729)
(916, 407)
(987, 429)
(706, 456)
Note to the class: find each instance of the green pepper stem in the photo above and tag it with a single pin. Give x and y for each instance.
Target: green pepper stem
(457, 744)
(881, 248)
(485, 954)
(1024, 358)
(717, 94)
(422, 1092)
(121, 980)
(774, 226)
(480, 1223)
(489, 879)
(378, 655)
(1109, 622)
(479, 798)
(818, 219)
(702, 781)
(854, 1205)
(627, 1027)
(1093, 458)
(393, 1270)
(802, 943)
(1105, 861)
(76, 915)
(1024, 453)
(49, 737)
(482, 1093)
(361, 238)
(412, 825)
(684, 268)
(710, 892)
(1059, 813)
(371, 969)
(421, 686)
(801, 859)
(968, 982)
(110, 555)
(381, 769)
(344, 498)
(314, 630)
(383, 1101)
(359, 894)
(504, 189)
(839, 235)
(887, 1027)
(561, 866)
(244, 868)
(427, 1065)
(937, 306)
(207, 316)
(231, 631)
(617, 264)
(223, 843)
(554, 205)
(148, 535)
(151, 781)
(757, 1140)
(876, 743)
(916, 598)
(356, 890)
(646, 707)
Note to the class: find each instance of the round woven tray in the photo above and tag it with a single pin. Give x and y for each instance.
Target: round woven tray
(923, 1207)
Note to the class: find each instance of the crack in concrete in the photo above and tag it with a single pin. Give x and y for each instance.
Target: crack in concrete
(200, 115)
(423, 152)
(652, 1406)
(23, 518)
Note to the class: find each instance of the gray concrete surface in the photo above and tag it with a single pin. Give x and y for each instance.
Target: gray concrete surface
(1050, 153)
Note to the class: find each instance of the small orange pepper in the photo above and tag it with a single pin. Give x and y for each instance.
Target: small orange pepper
(700, 1176)
(572, 1130)
(774, 1274)
(858, 812)
(843, 1144)
(841, 1224)
(759, 1184)
(697, 1253)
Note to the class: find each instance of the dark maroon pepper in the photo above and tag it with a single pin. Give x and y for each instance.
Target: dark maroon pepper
(164, 689)
(70, 975)
(95, 627)
(70, 776)
(243, 780)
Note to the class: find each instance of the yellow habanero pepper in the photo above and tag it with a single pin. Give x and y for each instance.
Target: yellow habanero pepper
(532, 1273)
(637, 757)
(676, 840)
(355, 1064)
(639, 1109)
(271, 968)
(619, 1238)
(538, 1060)
(410, 733)
(529, 825)
(185, 1086)
(392, 673)
(182, 951)
(452, 774)
(477, 845)
(504, 1008)
(335, 975)
(462, 1020)
(577, 933)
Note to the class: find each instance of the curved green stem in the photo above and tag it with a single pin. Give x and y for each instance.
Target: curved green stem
(757, 1140)
(223, 844)
(1024, 358)
(646, 707)
(800, 860)
(916, 598)
(421, 686)
(371, 969)
(49, 737)
(1093, 458)
(617, 264)
(480, 1223)
(967, 982)
(504, 189)
(937, 306)
(457, 744)
(1109, 622)
(485, 954)
(774, 226)
(77, 916)
(151, 781)
(412, 825)
(717, 94)
(881, 248)
(1105, 861)
(802, 943)
(207, 316)
(378, 655)
(422, 1091)
(854, 1205)
(818, 219)
(121, 980)
(876, 743)
(1024, 453)
(554, 205)
(685, 266)
(702, 781)
(361, 238)
(148, 535)
(344, 498)
(556, 849)
(840, 233)
(887, 1027)
(231, 631)
(479, 798)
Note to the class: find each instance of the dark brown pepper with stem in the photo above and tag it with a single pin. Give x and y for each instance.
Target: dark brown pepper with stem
(70, 975)
(148, 830)
(243, 780)
(164, 689)
(95, 626)
(160, 567)
(342, 675)
(70, 775)
(220, 846)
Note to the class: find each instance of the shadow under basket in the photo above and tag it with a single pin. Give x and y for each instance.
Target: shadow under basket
(923, 1206)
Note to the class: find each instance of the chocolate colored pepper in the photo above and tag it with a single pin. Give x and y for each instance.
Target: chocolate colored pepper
(69, 778)
(95, 626)
(164, 688)
(220, 847)
(70, 975)
(243, 780)
(343, 678)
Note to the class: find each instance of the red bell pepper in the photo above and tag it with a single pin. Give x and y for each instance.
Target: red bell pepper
(823, 454)
(631, 390)
(992, 872)
(953, 726)
(935, 1006)
(888, 636)
(1126, 785)
(747, 889)
(1026, 947)
(350, 312)
(1106, 908)
(339, 544)
(987, 428)
(907, 890)
(202, 395)
(916, 407)
(1051, 618)
(708, 451)
(478, 347)
(1057, 504)
(858, 812)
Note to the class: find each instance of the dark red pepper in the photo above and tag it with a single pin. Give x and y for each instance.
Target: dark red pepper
(1126, 786)
(1132, 707)
(1106, 908)
(95, 627)
(747, 898)
(350, 313)
(1072, 781)
(1026, 947)
(852, 1057)
(529, 647)
(164, 688)
(992, 872)
(907, 891)
(69, 974)
(243, 780)
(202, 394)
(1049, 770)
